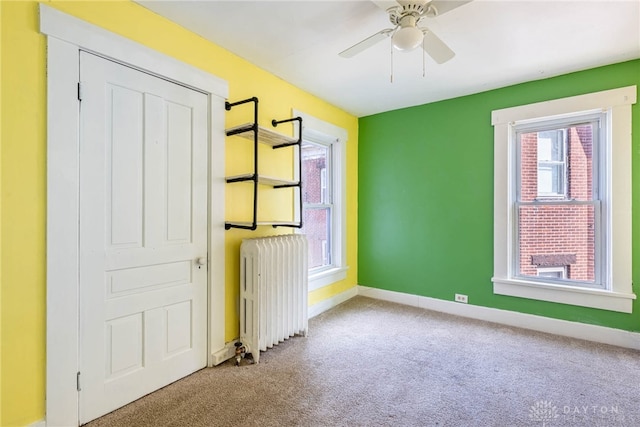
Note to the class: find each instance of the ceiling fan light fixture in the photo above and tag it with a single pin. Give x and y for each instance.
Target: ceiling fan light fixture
(407, 38)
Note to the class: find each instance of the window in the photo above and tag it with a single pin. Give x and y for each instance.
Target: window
(317, 202)
(562, 200)
(557, 200)
(323, 196)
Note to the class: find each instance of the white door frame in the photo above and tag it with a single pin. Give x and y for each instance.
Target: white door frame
(66, 36)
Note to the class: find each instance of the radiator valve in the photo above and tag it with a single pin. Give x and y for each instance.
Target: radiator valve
(241, 350)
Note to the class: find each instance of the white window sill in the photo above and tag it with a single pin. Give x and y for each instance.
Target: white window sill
(326, 277)
(594, 298)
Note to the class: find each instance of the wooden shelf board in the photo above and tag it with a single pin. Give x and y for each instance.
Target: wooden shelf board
(265, 135)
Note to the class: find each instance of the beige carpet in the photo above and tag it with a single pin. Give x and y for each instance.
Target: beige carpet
(374, 363)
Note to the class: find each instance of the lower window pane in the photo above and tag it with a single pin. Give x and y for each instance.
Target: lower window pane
(316, 226)
(557, 238)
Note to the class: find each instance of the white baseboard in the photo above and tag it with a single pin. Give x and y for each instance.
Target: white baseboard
(565, 328)
(331, 302)
(41, 423)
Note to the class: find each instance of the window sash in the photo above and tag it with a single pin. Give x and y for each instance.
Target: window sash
(595, 120)
(599, 281)
(327, 244)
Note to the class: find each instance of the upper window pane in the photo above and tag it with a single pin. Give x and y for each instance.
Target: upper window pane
(557, 164)
(552, 163)
(315, 160)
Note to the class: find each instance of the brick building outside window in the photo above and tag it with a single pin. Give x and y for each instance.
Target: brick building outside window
(316, 198)
(556, 202)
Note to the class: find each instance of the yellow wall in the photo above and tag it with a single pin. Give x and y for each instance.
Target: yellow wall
(1, 116)
(23, 215)
(23, 175)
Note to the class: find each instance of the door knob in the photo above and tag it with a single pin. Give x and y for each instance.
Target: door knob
(201, 261)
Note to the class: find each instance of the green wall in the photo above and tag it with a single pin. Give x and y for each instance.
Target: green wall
(425, 196)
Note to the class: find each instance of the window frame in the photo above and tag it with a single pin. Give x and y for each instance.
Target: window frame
(616, 210)
(321, 132)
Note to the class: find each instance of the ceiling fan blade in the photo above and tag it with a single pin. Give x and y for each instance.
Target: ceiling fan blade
(436, 48)
(444, 6)
(366, 43)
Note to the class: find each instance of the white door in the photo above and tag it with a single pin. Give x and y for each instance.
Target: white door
(143, 234)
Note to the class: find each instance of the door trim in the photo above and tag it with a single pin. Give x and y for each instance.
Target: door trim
(66, 36)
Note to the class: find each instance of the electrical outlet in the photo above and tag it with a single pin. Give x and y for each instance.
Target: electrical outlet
(462, 298)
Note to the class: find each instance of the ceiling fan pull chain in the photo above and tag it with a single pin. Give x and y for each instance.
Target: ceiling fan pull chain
(391, 59)
(424, 66)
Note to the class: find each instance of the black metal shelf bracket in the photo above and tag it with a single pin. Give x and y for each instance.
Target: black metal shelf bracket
(241, 179)
(298, 143)
(241, 130)
(228, 106)
(275, 123)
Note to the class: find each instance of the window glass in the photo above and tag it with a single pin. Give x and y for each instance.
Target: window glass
(557, 235)
(317, 227)
(556, 209)
(552, 160)
(317, 203)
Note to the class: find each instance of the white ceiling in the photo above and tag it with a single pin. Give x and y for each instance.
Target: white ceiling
(497, 43)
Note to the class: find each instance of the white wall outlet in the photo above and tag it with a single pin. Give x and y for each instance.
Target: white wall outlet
(462, 298)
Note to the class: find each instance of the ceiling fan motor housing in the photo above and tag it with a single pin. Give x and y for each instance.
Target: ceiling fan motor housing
(412, 8)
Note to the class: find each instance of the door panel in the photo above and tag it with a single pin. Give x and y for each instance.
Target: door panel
(124, 345)
(124, 166)
(143, 225)
(178, 194)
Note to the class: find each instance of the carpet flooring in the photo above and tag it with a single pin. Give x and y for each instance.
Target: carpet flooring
(374, 363)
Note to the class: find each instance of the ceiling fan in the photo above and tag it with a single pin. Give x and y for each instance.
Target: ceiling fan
(406, 35)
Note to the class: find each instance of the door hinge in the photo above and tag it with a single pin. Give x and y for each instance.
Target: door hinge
(78, 381)
(79, 91)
